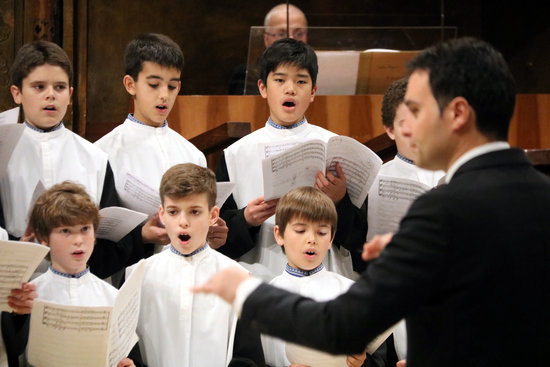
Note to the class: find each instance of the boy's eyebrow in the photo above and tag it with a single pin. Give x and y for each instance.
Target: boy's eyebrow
(42, 81)
(160, 78)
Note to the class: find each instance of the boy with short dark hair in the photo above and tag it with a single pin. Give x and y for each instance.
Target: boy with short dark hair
(176, 327)
(49, 153)
(143, 147)
(64, 218)
(287, 80)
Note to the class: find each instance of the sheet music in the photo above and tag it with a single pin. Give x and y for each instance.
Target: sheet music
(68, 335)
(123, 335)
(299, 165)
(86, 336)
(311, 357)
(294, 167)
(393, 198)
(9, 137)
(268, 150)
(224, 189)
(10, 116)
(116, 222)
(18, 260)
(143, 198)
(359, 163)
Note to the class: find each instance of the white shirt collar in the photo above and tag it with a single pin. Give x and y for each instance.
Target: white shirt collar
(475, 152)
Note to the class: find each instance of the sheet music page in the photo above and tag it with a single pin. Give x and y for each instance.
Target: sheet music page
(10, 116)
(311, 357)
(294, 167)
(123, 335)
(376, 342)
(116, 222)
(9, 137)
(224, 190)
(18, 260)
(68, 336)
(393, 197)
(268, 150)
(359, 163)
(143, 198)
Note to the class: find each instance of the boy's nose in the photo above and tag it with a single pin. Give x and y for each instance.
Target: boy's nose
(311, 238)
(78, 239)
(184, 223)
(289, 89)
(164, 94)
(50, 92)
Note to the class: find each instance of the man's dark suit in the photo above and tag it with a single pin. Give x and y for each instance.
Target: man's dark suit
(469, 269)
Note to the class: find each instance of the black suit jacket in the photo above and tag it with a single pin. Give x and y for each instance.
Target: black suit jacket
(469, 269)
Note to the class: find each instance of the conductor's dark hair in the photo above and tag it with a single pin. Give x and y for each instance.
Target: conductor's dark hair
(472, 69)
(35, 54)
(152, 47)
(288, 51)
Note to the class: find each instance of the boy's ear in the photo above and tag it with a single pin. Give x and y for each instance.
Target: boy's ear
(161, 213)
(278, 235)
(129, 84)
(313, 91)
(262, 88)
(214, 215)
(16, 94)
(389, 132)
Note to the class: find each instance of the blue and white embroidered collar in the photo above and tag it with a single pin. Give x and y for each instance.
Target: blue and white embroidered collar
(57, 127)
(76, 276)
(133, 119)
(299, 273)
(407, 160)
(280, 127)
(200, 249)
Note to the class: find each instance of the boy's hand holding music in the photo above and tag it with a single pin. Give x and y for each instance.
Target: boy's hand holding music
(333, 186)
(217, 234)
(21, 299)
(154, 232)
(258, 210)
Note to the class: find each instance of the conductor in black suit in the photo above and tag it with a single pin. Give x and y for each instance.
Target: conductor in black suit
(469, 267)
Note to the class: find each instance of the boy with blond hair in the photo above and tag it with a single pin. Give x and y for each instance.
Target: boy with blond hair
(49, 153)
(176, 327)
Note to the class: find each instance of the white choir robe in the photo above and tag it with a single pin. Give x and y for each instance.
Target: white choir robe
(399, 168)
(51, 157)
(145, 152)
(3, 234)
(321, 286)
(88, 290)
(244, 166)
(176, 327)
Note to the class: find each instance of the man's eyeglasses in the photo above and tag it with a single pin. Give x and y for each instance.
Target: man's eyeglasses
(298, 34)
